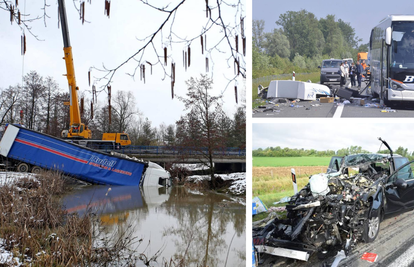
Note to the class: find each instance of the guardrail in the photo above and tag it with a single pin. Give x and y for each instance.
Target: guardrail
(171, 151)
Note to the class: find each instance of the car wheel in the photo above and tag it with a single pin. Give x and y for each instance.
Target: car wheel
(36, 169)
(372, 227)
(22, 167)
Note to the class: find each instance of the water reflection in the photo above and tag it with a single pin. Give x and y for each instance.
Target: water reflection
(204, 229)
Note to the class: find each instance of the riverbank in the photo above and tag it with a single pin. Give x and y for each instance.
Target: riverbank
(35, 229)
(233, 183)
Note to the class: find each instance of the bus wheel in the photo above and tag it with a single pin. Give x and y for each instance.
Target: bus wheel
(22, 167)
(36, 169)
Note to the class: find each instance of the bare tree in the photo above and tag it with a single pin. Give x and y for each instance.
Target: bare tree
(34, 89)
(226, 17)
(201, 123)
(124, 108)
(51, 87)
(8, 102)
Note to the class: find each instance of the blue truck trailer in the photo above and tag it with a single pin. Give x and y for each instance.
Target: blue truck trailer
(29, 150)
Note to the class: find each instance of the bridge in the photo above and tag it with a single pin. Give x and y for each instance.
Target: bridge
(226, 158)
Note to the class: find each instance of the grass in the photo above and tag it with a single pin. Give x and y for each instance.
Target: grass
(290, 161)
(314, 77)
(271, 184)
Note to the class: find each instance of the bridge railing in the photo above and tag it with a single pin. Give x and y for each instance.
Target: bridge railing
(171, 151)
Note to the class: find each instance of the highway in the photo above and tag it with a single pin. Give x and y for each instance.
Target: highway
(338, 109)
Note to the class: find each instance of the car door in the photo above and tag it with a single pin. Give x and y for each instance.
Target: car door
(399, 198)
(334, 164)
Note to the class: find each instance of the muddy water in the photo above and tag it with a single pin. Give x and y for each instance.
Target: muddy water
(204, 229)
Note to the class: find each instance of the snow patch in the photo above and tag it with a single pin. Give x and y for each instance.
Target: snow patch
(7, 178)
(238, 179)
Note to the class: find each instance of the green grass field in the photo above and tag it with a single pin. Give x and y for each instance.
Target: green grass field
(290, 161)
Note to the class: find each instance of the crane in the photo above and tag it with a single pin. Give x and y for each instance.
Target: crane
(77, 129)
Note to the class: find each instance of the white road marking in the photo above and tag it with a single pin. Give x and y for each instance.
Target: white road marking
(406, 259)
(338, 111)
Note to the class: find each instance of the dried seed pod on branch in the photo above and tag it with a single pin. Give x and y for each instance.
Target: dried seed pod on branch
(172, 79)
(235, 93)
(107, 7)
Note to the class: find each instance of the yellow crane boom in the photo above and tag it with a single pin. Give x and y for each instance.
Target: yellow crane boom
(77, 129)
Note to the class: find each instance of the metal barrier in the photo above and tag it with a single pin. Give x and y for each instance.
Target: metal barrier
(167, 150)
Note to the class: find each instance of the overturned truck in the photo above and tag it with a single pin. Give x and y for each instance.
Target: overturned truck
(337, 209)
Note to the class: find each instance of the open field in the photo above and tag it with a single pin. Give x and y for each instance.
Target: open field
(290, 161)
(273, 183)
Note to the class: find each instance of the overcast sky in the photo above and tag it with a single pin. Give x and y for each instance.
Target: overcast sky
(324, 134)
(362, 15)
(110, 41)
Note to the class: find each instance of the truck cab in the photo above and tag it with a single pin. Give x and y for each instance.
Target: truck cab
(121, 139)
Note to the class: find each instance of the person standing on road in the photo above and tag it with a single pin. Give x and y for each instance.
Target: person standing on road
(343, 74)
(364, 65)
(352, 71)
(359, 71)
(346, 66)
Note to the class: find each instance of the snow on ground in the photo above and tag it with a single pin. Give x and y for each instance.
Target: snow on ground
(239, 181)
(6, 257)
(12, 177)
(191, 167)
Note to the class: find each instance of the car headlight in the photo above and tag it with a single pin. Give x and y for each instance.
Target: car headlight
(323, 72)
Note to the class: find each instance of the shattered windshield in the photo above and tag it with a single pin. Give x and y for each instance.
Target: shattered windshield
(363, 159)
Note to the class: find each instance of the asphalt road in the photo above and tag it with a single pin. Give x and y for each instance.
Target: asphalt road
(394, 247)
(337, 109)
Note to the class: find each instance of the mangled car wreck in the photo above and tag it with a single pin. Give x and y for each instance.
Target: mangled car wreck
(337, 209)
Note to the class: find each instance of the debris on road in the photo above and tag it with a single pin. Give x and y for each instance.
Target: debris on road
(258, 206)
(326, 99)
(293, 90)
(371, 257)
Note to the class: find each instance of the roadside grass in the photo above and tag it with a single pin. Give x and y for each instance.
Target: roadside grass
(271, 184)
(290, 161)
(313, 76)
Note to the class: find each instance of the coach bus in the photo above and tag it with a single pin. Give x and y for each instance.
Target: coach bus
(392, 59)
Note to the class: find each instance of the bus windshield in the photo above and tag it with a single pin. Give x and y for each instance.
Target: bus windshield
(402, 47)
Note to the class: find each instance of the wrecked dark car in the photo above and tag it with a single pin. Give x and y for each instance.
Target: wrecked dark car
(335, 210)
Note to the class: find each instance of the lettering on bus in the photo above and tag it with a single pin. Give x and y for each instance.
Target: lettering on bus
(409, 79)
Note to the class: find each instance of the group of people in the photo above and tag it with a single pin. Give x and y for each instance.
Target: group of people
(352, 71)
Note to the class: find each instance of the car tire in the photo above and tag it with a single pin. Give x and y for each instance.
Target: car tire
(22, 167)
(36, 170)
(372, 227)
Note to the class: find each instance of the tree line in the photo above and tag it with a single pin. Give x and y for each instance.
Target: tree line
(301, 43)
(39, 105)
(301, 152)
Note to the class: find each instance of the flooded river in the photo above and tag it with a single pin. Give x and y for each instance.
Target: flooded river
(203, 229)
